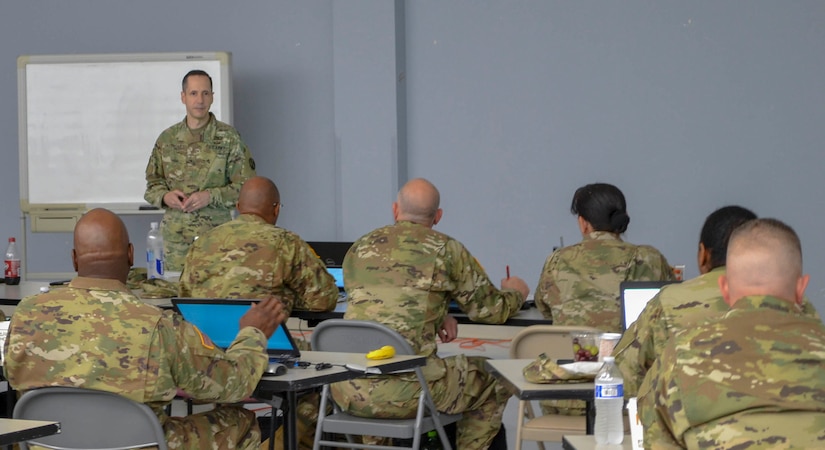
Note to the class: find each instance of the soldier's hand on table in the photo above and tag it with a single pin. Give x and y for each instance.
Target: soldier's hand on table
(265, 316)
(174, 199)
(449, 329)
(517, 284)
(196, 201)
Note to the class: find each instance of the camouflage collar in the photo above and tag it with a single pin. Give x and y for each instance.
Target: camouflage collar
(603, 236)
(751, 302)
(98, 284)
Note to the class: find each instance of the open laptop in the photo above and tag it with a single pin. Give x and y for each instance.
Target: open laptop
(331, 253)
(218, 319)
(634, 297)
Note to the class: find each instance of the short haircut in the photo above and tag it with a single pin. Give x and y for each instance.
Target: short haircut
(603, 206)
(196, 72)
(718, 227)
(771, 235)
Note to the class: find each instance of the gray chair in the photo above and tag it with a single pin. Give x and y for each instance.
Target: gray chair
(92, 420)
(359, 336)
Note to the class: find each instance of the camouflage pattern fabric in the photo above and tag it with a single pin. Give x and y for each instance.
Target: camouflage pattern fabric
(753, 379)
(96, 334)
(403, 276)
(579, 284)
(213, 159)
(675, 308)
(249, 258)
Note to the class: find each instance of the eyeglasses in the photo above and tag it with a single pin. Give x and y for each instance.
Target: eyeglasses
(276, 204)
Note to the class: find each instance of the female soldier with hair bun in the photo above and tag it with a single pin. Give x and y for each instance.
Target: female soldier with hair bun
(579, 284)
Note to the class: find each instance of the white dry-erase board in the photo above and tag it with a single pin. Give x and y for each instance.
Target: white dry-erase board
(87, 124)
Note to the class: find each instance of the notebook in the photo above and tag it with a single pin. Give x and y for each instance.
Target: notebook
(218, 319)
(634, 297)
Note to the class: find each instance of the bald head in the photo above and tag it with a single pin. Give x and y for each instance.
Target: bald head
(418, 202)
(260, 196)
(764, 258)
(101, 246)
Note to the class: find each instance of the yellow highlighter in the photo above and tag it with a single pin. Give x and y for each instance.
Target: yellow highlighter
(387, 351)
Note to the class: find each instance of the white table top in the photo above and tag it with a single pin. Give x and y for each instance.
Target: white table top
(589, 443)
(17, 430)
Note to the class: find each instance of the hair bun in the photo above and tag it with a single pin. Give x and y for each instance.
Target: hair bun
(619, 221)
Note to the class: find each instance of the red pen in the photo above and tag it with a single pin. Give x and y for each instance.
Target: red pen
(508, 271)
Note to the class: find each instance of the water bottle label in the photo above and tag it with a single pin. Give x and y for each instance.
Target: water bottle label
(609, 391)
(159, 267)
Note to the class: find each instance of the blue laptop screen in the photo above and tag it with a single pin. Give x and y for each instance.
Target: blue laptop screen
(219, 321)
(338, 274)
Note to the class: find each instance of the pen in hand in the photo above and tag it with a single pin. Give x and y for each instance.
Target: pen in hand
(508, 271)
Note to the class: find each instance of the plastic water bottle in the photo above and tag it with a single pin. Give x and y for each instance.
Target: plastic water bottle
(432, 442)
(154, 252)
(609, 398)
(12, 263)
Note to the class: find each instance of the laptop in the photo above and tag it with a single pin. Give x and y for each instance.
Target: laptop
(338, 274)
(634, 297)
(218, 319)
(331, 253)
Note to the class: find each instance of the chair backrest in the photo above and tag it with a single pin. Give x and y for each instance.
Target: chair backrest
(553, 340)
(356, 336)
(91, 419)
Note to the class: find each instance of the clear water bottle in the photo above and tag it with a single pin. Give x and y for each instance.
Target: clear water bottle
(154, 252)
(432, 442)
(609, 398)
(12, 263)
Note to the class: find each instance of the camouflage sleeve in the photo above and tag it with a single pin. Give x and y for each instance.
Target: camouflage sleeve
(636, 351)
(474, 292)
(655, 394)
(547, 292)
(239, 168)
(156, 186)
(650, 265)
(314, 286)
(204, 371)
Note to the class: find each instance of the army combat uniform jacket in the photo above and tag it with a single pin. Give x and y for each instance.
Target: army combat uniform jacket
(213, 159)
(404, 276)
(753, 379)
(96, 334)
(250, 258)
(579, 284)
(675, 308)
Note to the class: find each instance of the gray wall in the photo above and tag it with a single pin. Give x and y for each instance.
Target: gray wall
(510, 106)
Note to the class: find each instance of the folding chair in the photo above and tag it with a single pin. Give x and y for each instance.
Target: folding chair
(92, 420)
(356, 336)
(557, 343)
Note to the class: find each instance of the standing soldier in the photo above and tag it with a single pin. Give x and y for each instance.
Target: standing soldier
(196, 171)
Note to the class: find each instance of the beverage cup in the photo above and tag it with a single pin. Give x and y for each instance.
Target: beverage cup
(679, 272)
(607, 342)
(636, 429)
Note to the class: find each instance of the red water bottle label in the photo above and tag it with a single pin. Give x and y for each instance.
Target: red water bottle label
(12, 268)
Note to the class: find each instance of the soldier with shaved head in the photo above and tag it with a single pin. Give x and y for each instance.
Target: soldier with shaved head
(404, 275)
(95, 334)
(754, 378)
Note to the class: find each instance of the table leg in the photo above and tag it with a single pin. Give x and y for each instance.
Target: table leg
(291, 421)
(590, 413)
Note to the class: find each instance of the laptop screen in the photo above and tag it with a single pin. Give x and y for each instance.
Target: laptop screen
(338, 274)
(634, 297)
(218, 319)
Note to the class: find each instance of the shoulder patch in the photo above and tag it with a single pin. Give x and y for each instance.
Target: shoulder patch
(205, 341)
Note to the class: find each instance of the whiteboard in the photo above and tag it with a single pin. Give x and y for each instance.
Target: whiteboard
(87, 123)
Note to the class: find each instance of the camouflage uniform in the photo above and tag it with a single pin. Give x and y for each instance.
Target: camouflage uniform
(250, 258)
(212, 159)
(404, 276)
(96, 334)
(754, 379)
(579, 285)
(675, 308)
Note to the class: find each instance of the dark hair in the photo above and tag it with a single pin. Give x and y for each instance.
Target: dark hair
(718, 227)
(603, 205)
(196, 72)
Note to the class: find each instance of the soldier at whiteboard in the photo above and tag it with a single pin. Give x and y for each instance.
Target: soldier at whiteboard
(196, 171)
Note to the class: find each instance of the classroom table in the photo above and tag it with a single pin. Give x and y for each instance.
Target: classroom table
(509, 372)
(523, 318)
(298, 379)
(589, 443)
(13, 431)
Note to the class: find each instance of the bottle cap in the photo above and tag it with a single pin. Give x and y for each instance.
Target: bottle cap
(11, 239)
(153, 225)
(609, 359)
